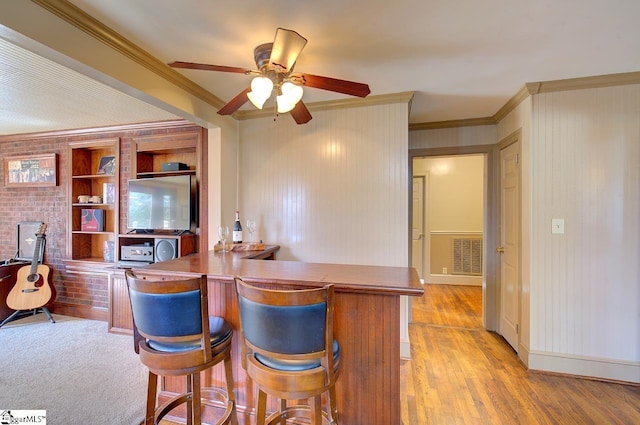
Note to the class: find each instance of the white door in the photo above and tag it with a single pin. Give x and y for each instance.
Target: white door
(417, 228)
(509, 248)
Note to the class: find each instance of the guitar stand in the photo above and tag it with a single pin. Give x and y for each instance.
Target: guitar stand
(14, 315)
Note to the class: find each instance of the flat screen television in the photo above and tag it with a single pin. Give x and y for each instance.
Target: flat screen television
(162, 203)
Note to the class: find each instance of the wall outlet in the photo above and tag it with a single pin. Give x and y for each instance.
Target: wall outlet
(444, 270)
(557, 225)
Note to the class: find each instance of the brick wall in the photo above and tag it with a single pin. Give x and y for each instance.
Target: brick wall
(50, 205)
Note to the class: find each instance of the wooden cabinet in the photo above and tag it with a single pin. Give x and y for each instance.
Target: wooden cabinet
(120, 319)
(8, 274)
(165, 246)
(92, 227)
(149, 153)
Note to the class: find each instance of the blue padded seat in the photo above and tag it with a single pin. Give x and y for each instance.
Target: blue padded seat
(175, 314)
(220, 330)
(289, 330)
(292, 366)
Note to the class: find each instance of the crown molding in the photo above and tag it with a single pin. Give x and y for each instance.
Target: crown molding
(470, 122)
(529, 89)
(383, 99)
(97, 130)
(512, 103)
(593, 82)
(91, 26)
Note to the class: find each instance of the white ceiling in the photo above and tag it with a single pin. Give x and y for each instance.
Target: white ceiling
(38, 95)
(463, 59)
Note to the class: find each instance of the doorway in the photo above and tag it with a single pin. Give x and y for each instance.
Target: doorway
(452, 216)
(419, 249)
(487, 279)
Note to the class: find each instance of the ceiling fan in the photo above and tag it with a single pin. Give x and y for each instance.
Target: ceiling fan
(275, 62)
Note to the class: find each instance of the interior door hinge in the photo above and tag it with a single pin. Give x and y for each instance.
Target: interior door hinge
(517, 329)
(517, 158)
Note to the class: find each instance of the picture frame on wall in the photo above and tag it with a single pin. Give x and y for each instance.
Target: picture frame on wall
(107, 165)
(31, 170)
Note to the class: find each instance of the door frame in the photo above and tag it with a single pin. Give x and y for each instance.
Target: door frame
(426, 241)
(490, 283)
(515, 137)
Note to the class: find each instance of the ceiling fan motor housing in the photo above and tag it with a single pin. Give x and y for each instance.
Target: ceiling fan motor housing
(262, 54)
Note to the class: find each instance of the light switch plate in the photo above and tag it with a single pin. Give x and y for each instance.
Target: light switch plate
(557, 225)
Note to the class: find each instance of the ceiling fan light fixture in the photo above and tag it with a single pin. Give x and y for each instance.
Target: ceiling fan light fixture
(290, 95)
(283, 105)
(261, 88)
(293, 92)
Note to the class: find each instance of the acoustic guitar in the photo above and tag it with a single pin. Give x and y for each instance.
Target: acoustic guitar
(32, 289)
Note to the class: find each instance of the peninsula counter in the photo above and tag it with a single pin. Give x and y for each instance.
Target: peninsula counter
(367, 324)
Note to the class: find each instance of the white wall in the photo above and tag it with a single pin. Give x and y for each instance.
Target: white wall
(452, 137)
(585, 283)
(455, 193)
(334, 190)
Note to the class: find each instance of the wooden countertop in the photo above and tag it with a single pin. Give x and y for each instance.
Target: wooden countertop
(345, 277)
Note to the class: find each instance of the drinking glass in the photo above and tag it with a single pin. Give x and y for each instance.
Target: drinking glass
(223, 234)
(251, 228)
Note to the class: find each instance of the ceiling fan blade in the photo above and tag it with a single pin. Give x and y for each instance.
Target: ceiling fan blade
(206, 67)
(300, 113)
(334, 84)
(235, 103)
(287, 45)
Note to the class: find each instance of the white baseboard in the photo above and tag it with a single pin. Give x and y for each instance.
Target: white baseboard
(452, 279)
(405, 350)
(617, 370)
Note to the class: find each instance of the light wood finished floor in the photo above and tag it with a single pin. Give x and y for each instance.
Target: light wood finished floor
(462, 374)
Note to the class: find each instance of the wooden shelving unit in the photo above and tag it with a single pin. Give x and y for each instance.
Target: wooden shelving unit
(148, 153)
(151, 152)
(84, 178)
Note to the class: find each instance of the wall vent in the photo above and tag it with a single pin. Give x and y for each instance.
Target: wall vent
(467, 256)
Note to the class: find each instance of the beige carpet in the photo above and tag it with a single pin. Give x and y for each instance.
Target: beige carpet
(74, 369)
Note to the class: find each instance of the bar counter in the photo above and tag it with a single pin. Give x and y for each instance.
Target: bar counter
(367, 323)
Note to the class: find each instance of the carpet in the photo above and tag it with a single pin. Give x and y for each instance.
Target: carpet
(74, 369)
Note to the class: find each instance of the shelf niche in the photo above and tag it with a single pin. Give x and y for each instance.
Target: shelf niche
(148, 153)
(87, 178)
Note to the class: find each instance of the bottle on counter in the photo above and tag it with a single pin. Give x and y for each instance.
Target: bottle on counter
(237, 229)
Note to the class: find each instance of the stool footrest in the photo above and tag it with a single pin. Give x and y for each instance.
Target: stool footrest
(217, 397)
(171, 404)
(210, 396)
(296, 411)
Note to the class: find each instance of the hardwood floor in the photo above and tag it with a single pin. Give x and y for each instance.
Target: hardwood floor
(462, 374)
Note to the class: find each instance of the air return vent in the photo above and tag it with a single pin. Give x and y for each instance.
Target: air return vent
(467, 256)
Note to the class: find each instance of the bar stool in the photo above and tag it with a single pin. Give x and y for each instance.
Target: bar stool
(175, 336)
(288, 350)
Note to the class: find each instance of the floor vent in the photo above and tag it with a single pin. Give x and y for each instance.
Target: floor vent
(467, 256)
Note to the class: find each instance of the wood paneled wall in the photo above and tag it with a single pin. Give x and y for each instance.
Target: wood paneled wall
(334, 190)
(451, 137)
(585, 283)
